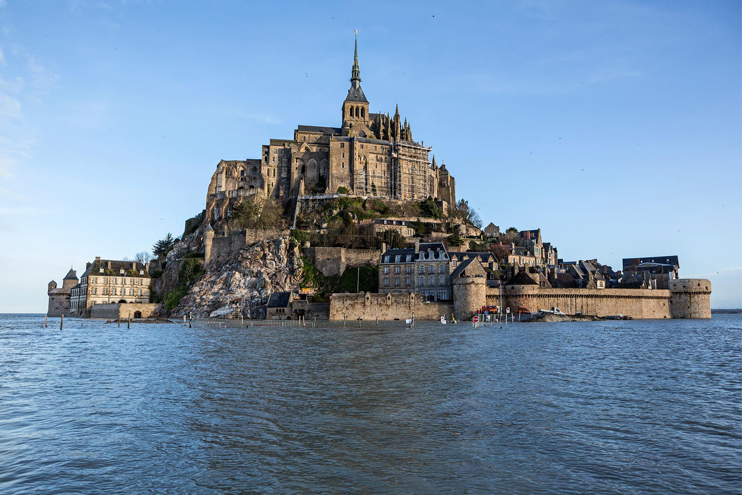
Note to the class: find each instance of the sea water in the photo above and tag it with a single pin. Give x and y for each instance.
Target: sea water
(621, 406)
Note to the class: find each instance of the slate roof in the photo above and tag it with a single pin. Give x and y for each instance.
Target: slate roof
(116, 267)
(71, 275)
(566, 281)
(483, 256)
(279, 300)
(629, 263)
(319, 128)
(356, 94)
(521, 278)
(463, 266)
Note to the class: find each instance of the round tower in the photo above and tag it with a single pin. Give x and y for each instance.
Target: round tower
(690, 298)
(52, 285)
(469, 295)
(70, 280)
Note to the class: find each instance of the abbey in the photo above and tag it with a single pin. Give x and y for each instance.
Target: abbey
(371, 154)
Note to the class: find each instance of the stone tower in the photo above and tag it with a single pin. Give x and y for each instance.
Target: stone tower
(469, 288)
(690, 298)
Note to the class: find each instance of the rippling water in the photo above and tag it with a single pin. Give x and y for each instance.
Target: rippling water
(635, 406)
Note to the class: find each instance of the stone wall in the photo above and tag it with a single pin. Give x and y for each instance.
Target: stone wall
(222, 246)
(637, 303)
(332, 261)
(122, 311)
(691, 298)
(392, 306)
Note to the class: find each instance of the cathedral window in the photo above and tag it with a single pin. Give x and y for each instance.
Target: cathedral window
(363, 112)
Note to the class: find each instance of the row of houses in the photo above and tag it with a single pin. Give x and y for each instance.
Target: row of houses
(103, 282)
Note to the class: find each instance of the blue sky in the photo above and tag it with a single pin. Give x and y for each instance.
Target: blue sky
(613, 126)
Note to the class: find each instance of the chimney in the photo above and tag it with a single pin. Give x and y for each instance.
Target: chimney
(87, 265)
(108, 264)
(383, 247)
(97, 258)
(417, 245)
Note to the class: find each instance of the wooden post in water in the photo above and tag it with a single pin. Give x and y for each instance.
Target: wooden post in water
(128, 323)
(61, 322)
(46, 324)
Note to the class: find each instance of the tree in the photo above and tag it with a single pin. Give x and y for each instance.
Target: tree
(455, 239)
(501, 252)
(467, 214)
(162, 246)
(429, 208)
(144, 257)
(270, 214)
(512, 235)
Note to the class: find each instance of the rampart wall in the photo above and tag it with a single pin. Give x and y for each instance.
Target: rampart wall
(332, 261)
(686, 298)
(123, 311)
(393, 306)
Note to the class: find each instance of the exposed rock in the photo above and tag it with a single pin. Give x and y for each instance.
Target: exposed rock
(245, 279)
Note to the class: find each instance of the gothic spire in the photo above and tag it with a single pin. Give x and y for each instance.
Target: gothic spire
(356, 73)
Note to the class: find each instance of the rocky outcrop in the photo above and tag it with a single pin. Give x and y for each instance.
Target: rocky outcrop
(245, 279)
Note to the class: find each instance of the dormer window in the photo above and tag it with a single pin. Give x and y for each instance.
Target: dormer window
(121, 271)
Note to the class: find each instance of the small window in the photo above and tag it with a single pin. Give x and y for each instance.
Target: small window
(396, 282)
(386, 282)
(396, 269)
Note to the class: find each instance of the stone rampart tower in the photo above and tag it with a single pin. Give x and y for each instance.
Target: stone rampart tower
(469, 283)
(690, 298)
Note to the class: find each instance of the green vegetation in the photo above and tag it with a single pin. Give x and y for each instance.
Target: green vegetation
(455, 240)
(190, 270)
(192, 224)
(347, 282)
(467, 214)
(343, 190)
(163, 246)
(252, 213)
(430, 209)
(369, 279)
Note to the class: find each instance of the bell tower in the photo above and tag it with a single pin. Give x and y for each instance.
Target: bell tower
(355, 106)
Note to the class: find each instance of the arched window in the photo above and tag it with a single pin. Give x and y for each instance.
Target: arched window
(431, 280)
(363, 112)
(302, 170)
(357, 113)
(255, 170)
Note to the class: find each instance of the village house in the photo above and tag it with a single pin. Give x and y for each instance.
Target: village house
(109, 282)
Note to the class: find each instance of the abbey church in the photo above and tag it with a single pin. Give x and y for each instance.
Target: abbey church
(371, 155)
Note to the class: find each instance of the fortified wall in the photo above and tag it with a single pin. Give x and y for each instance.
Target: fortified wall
(686, 298)
(393, 306)
(216, 246)
(123, 311)
(332, 261)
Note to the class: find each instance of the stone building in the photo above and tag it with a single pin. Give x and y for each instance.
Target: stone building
(59, 297)
(109, 282)
(427, 269)
(370, 154)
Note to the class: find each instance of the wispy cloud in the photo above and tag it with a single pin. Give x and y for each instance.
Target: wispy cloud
(10, 107)
(16, 211)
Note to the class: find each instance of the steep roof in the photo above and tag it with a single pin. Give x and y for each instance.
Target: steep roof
(355, 93)
(521, 278)
(71, 275)
(279, 300)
